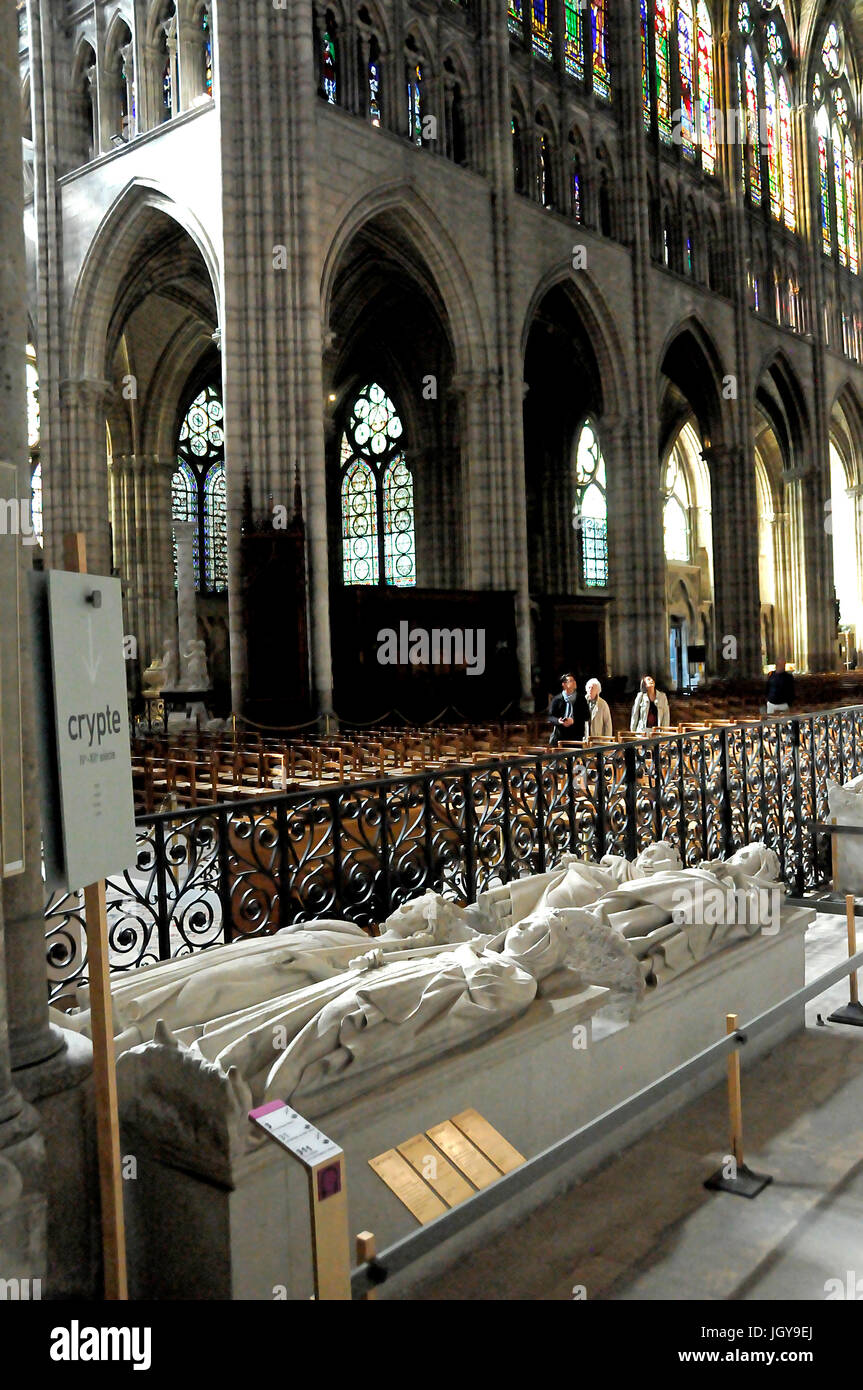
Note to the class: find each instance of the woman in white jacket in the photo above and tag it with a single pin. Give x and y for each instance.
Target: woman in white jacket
(650, 712)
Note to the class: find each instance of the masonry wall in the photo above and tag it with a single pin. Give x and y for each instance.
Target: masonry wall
(269, 163)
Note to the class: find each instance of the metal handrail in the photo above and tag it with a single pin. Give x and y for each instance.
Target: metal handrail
(358, 850)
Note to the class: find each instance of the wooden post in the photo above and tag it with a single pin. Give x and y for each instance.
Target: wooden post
(852, 943)
(102, 1029)
(735, 1101)
(329, 1221)
(367, 1249)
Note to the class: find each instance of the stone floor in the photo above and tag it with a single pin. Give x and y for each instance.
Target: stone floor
(644, 1227)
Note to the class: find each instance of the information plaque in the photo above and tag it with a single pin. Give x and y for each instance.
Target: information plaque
(324, 1163)
(88, 819)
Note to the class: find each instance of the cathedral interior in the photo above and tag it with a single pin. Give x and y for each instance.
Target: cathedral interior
(391, 358)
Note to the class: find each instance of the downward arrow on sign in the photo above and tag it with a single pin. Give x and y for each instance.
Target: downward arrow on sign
(91, 662)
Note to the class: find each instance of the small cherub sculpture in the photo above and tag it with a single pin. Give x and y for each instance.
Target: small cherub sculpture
(195, 673)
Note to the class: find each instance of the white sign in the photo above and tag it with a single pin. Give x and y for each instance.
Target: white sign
(295, 1134)
(88, 804)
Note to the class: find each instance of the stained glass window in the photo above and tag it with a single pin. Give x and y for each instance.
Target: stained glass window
(851, 205)
(199, 489)
(824, 182)
(836, 155)
(514, 16)
(415, 103)
(590, 510)
(573, 57)
(577, 210)
(216, 529)
(374, 83)
(599, 33)
(676, 511)
(685, 68)
(545, 183)
(34, 435)
(542, 29)
(36, 510)
(377, 495)
(789, 196)
(706, 94)
(359, 526)
(839, 189)
(328, 68)
(399, 540)
(517, 163)
(167, 91)
(774, 168)
(645, 68)
(663, 71)
(753, 139)
(830, 53)
(184, 507)
(33, 418)
(840, 104)
(207, 31)
(127, 95)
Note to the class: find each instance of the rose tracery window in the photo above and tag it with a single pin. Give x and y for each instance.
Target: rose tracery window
(377, 495)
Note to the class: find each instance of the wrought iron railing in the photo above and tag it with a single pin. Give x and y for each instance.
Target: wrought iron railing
(356, 852)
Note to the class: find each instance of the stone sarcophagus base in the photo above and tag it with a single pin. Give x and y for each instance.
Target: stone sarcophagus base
(216, 1214)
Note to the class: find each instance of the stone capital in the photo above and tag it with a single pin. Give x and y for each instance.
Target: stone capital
(803, 473)
(472, 384)
(185, 532)
(723, 455)
(85, 391)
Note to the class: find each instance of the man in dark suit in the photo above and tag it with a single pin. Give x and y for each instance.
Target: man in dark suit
(568, 712)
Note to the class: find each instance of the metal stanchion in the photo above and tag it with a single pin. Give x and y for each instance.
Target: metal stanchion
(852, 1012)
(734, 1176)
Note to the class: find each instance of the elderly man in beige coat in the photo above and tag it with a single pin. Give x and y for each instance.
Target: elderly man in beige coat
(599, 724)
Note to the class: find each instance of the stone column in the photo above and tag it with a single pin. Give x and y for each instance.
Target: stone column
(636, 551)
(26, 1041)
(855, 495)
(141, 517)
(795, 590)
(157, 598)
(83, 503)
(734, 507)
(187, 615)
(784, 587)
(812, 560)
(272, 251)
(507, 528)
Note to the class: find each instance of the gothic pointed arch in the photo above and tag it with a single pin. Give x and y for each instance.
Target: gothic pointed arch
(398, 214)
(690, 360)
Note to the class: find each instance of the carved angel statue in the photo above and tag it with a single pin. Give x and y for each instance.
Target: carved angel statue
(170, 664)
(195, 673)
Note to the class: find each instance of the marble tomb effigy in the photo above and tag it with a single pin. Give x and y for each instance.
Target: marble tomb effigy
(477, 1003)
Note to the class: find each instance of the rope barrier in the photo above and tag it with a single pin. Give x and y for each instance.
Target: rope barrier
(382, 719)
